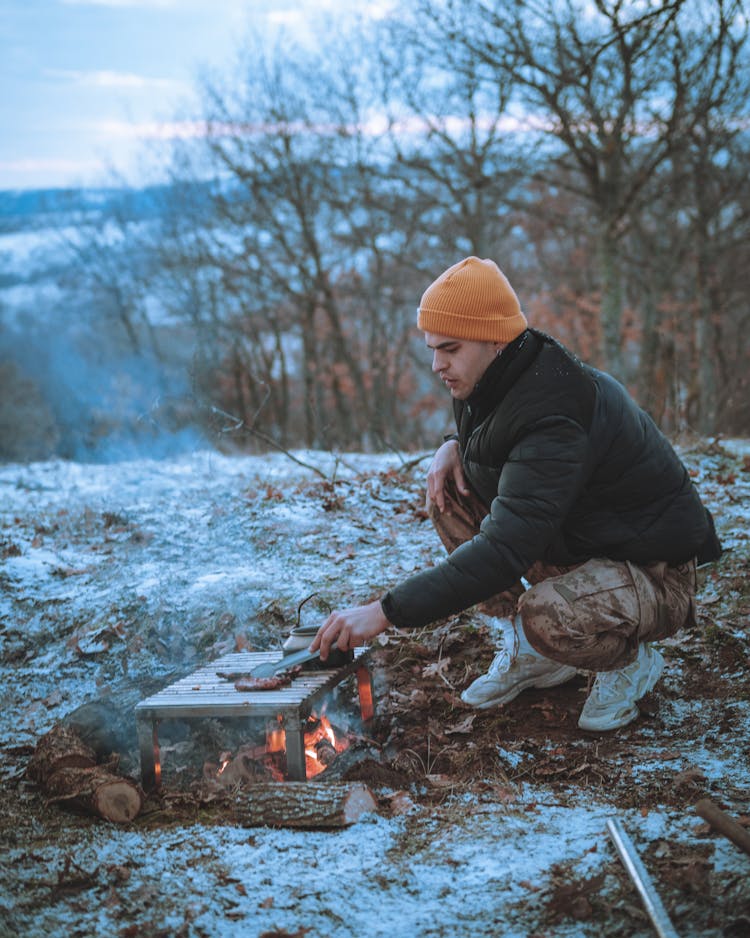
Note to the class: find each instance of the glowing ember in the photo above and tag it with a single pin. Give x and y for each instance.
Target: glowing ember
(276, 740)
(224, 759)
(157, 758)
(364, 688)
(321, 745)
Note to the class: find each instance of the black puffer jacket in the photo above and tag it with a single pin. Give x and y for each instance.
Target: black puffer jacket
(569, 467)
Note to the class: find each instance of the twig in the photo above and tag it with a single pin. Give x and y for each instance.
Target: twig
(239, 424)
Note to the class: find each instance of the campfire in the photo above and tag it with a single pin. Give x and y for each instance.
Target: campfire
(296, 740)
(323, 743)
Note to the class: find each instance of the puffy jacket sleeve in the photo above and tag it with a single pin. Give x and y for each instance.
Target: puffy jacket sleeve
(541, 478)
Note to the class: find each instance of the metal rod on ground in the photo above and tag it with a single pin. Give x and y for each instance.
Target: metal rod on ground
(637, 872)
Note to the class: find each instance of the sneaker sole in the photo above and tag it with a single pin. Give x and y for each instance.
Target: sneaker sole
(563, 674)
(598, 726)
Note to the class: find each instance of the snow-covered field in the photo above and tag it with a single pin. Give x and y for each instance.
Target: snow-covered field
(111, 572)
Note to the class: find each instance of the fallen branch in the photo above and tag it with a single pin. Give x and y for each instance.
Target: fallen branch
(723, 823)
(241, 425)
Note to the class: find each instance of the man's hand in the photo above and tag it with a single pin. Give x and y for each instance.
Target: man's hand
(445, 466)
(350, 628)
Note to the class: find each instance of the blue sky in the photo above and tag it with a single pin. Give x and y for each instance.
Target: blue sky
(85, 82)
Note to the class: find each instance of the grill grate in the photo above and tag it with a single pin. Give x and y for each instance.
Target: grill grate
(204, 694)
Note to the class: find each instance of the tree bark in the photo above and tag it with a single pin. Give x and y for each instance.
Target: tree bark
(61, 748)
(97, 791)
(65, 768)
(612, 303)
(302, 805)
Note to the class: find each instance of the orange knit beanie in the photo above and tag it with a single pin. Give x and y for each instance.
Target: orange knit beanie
(472, 300)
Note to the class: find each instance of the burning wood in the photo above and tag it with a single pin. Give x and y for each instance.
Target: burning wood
(322, 745)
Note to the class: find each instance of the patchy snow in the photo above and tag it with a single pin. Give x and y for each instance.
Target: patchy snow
(137, 568)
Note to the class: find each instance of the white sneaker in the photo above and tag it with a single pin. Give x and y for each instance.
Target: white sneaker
(508, 676)
(611, 702)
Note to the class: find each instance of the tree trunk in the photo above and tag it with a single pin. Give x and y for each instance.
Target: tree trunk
(705, 339)
(611, 304)
(302, 805)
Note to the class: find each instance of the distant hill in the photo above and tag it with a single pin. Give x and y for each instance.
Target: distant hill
(25, 209)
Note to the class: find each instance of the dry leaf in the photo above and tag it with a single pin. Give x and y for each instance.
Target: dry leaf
(440, 781)
(463, 727)
(436, 668)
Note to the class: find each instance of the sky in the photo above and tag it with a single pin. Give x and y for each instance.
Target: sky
(85, 84)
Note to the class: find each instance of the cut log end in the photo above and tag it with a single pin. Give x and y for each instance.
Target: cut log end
(96, 791)
(118, 801)
(360, 801)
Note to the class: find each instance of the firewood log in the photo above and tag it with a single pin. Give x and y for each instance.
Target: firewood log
(302, 805)
(96, 791)
(60, 748)
(65, 768)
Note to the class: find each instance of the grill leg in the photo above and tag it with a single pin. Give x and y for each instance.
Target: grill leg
(366, 696)
(296, 768)
(148, 743)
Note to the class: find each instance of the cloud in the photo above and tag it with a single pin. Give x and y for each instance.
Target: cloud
(162, 4)
(297, 14)
(151, 130)
(178, 5)
(109, 79)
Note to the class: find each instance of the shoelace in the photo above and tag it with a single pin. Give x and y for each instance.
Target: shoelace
(607, 684)
(501, 662)
(506, 656)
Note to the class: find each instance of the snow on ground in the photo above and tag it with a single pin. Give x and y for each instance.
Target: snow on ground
(110, 572)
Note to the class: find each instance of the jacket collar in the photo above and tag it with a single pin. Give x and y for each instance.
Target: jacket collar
(503, 372)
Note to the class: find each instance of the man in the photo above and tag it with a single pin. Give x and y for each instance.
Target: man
(555, 476)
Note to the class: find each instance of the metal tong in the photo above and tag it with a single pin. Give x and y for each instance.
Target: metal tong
(269, 668)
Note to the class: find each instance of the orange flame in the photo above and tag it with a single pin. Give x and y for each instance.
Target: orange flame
(321, 746)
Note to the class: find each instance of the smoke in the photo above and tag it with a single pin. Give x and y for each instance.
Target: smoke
(87, 400)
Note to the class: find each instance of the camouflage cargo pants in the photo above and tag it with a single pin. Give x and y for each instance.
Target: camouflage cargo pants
(592, 615)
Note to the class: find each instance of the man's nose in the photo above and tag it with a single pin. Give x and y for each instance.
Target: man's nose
(437, 364)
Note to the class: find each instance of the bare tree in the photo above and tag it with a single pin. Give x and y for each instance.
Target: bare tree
(596, 80)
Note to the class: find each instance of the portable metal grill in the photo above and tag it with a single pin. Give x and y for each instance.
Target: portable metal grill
(205, 694)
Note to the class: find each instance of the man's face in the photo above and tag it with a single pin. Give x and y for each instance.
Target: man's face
(460, 362)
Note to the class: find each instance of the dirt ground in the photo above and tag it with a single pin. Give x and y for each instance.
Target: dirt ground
(442, 773)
